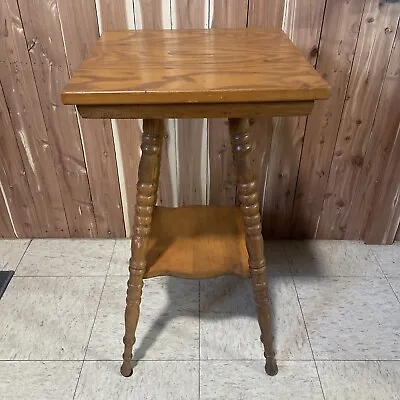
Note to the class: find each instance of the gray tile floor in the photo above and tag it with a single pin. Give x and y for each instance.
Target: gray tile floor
(336, 317)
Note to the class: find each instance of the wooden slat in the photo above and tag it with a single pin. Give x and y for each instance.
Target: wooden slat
(380, 145)
(398, 234)
(337, 46)
(222, 177)
(377, 208)
(46, 50)
(27, 119)
(80, 30)
(264, 14)
(303, 22)
(155, 14)
(191, 134)
(375, 41)
(127, 134)
(17, 213)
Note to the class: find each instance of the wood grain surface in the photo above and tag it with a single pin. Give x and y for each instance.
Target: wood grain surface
(23, 103)
(161, 67)
(197, 242)
(222, 176)
(18, 218)
(49, 65)
(337, 46)
(80, 32)
(380, 177)
(363, 93)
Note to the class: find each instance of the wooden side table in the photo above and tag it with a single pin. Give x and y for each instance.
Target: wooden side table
(236, 73)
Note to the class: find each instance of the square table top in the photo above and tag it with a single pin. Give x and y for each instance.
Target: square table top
(194, 66)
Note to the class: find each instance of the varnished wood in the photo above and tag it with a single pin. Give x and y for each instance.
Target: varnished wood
(197, 110)
(247, 191)
(146, 197)
(194, 66)
(197, 242)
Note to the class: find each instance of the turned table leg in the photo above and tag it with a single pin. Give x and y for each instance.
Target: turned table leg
(149, 171)
(248, 197)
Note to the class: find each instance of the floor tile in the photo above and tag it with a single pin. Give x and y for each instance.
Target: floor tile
(166, 380)
(332, 258)
(120, 258)
(67, 257)
(276, 258)
(351, 318)
(168, 326)
(11, 252)
(354, 380)
(247, 380)
(228, 322)
(388, 258)
(48, 318)
(38, 380)
(395, 282)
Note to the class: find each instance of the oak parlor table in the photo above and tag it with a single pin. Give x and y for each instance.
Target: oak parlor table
(231, 73)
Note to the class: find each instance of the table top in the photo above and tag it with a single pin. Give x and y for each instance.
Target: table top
(194, 66)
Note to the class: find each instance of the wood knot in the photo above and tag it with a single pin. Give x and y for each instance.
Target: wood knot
(388, 30)
(314, 51)
(370, 19)
(340, 203)
(358, 161)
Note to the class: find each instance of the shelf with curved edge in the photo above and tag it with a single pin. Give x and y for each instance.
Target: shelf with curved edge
(197, 242)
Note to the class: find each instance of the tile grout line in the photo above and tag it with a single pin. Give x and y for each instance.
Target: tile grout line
(94, 321)
(304, 321)
(383, 272)
(199, 342)
(23, 255)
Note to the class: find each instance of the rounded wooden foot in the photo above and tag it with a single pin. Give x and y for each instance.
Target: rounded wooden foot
(270, 367)
(126, 370)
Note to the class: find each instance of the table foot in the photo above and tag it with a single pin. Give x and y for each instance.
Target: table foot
(126, 370)
(270, 367)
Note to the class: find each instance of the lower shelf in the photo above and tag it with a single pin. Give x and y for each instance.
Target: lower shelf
(197, 242)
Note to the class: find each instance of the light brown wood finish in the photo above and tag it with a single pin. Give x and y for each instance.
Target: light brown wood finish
(192, 185)
(364, 90)
(337, 47)
(16, 194)
(197, 242)
(222, 177)
(303, 24)
(146, 197)
(247, 192)
(162, 67)
(79, 26)
(286, 108)
(127, 134)
(49, 65)
(23, 103)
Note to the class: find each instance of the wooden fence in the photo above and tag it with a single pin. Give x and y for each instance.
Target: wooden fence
(335, 174)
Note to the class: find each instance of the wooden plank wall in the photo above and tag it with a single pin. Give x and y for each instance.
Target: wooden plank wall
(334, 174)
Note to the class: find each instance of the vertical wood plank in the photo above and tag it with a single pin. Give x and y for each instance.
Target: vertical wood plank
(17, 212)
(397, 238)
(375, 41)
(380, 145)
(379, 185)
(46, 51)
(303, 22)
(26, 115)
(156, 14)
(127, 133)
(337, 46)
(225, 14)
(80, 30)
(191, 133)
(264, 15)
